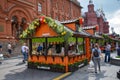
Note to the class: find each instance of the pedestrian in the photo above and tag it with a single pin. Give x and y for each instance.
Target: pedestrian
(9, 46)
(96, 53)
(107, 52)
(92, 48)
(24, 51)
(118, 51)
(1, 55)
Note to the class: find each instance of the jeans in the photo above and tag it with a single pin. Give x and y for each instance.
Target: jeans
(96, 63)
(107, 56)
(25, 56)
(9, 51)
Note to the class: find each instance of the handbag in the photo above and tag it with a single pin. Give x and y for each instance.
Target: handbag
(91, 64)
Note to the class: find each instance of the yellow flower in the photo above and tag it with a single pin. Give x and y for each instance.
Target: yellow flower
(26, 30)
(21, 36)
(44, 21)
(55, 25)
(35, 26)
(35, 22)
(62, 33)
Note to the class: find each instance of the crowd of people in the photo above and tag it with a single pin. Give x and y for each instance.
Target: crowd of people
(95, 56)
(8, 51)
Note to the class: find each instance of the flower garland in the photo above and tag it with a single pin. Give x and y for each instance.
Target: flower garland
(31, 28)
(55, 25)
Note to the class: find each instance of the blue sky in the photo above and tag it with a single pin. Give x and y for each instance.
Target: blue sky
(111, 9)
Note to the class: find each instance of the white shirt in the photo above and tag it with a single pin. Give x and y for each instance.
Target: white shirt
(25, 49)
(108, 47)
(9, 46)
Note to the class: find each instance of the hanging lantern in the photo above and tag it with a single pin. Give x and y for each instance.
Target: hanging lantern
(81, 20)
(96, 27)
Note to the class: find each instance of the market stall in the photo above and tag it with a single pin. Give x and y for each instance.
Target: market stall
(62, 48)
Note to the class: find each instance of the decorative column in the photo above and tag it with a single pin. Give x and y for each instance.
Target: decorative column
(87, 47)
(46, 47)
(30, 46)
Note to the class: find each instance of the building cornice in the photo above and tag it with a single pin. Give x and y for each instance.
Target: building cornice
(76, 3)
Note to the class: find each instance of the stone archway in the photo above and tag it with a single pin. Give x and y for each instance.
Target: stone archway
(14, 25)
(18, 24)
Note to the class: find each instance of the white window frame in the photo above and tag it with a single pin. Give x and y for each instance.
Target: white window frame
(39, 7)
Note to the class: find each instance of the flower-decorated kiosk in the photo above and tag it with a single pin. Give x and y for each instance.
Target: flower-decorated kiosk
(63, 48)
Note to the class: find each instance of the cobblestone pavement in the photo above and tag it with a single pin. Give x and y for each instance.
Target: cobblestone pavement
(14, 69)
(108, 72)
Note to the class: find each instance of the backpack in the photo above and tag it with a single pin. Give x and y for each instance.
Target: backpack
(96, 53)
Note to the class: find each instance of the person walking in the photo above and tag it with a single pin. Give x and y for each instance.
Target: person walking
(9, 46)
(107, 52)
(1, 55)
(92, 48)
(24, 51)
(96, 53)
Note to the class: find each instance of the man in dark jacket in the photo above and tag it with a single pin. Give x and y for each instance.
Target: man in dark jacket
(0, 52)
(39, 48)
(118, 51)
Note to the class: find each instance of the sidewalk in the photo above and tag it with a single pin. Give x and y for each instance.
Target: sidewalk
(14, 69)
(108, 72)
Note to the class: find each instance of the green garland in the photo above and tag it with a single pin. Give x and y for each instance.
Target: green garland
(30, 29)
(55, 25)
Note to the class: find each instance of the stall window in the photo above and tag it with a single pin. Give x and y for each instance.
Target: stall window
(54, 46)
(81, 45)
(75, 47)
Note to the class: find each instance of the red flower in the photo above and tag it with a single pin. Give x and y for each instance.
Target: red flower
(42, 19)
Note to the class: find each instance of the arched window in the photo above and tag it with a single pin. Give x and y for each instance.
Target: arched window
(22, 25)
(14, 24)
(23, 21)
(18, 27)
(14, 20)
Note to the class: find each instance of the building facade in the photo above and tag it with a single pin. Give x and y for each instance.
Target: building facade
(92, 18)
(15, 15)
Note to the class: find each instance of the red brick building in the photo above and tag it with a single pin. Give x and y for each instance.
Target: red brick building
(92, 18)
(15, 15)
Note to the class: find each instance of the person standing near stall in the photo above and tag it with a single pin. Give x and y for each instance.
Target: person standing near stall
(118, 51)
(107, 52)
(39, 49)
(24, 51)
